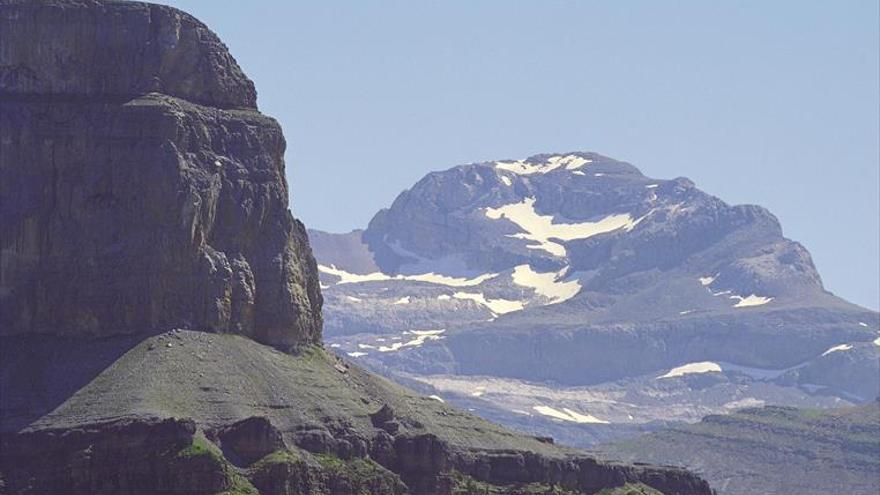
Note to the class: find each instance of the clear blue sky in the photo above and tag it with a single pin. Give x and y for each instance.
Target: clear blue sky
(773, 103)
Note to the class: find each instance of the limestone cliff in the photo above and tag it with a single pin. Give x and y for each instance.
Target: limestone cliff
(141, 188)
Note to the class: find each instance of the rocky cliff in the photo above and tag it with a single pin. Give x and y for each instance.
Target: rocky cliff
(149, 257)
(141, 188)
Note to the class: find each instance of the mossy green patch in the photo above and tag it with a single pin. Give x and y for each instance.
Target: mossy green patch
(239, 485)
(630, 489)
(463, 484)
(200, 446)
(357, 468)
(282, 456)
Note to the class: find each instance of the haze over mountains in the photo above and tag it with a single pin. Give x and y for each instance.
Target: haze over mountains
(569, 294)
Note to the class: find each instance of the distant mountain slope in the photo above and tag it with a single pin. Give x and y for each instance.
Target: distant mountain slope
(773, 450)
(578, 269)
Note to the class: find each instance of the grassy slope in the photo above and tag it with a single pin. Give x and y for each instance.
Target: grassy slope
(217, 379)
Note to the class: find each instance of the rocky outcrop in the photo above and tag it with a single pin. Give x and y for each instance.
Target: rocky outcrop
(128, 456)
(151, 456)
(248, 440)
(135, 199)
(115, 50)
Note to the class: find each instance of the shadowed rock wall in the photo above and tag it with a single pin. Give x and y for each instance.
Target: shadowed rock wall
(132, 200)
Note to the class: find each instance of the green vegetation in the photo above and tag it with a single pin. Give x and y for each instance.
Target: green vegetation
(278, 457)
(362, 476)
(463, 484)
(630, 489)
(239, 485)
(200, 446)
(356, 469)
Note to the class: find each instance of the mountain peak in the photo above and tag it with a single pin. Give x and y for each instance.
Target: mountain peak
(577, 162)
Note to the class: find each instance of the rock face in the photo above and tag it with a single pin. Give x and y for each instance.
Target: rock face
(586, 269)
(141, 189)
(114, 50)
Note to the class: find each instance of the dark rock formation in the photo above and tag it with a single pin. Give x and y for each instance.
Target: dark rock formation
(128, 206)
(115, 50)
(248, 440)
(130, 456)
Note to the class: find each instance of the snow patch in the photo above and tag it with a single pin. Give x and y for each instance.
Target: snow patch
(652, 186)
(444, 297)
(579, 172)
(837, 348)
(506, 181)
(686, 312)
(353, 299)
(522, 167)
(567, 414)
(496, 306)
(691, 368)
(746, 402)
(421, 336)
(431, 278)
(540, 228)
(402, 300)
(750, 300)
(706, 281)
(863, 324)
(356, 354)
(547, 284)
(436, 397)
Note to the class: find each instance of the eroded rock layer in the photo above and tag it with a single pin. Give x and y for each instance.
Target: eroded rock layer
(132, 201)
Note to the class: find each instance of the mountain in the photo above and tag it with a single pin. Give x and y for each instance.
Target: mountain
(569, 295)
(161, 308)
(781, 450)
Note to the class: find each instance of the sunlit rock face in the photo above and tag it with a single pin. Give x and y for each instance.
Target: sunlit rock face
(556, 284)
(141, 188)
(507, 238)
